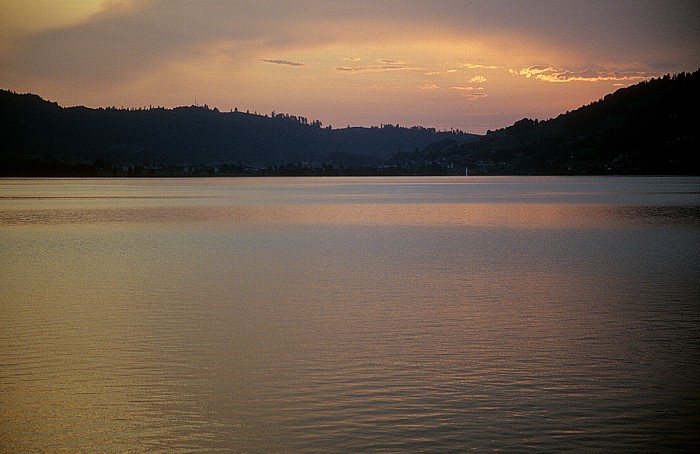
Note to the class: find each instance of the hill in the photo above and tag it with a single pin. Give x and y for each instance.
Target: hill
(38, 137)
(648, 128)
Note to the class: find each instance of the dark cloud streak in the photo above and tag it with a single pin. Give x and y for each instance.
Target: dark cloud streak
(282, 62)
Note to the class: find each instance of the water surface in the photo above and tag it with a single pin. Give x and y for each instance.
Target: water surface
(350, 314)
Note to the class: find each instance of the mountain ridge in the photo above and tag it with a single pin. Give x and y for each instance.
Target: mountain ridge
(648, 128)
(39, 132)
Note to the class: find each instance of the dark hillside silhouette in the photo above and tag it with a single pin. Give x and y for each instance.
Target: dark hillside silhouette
(40, 134)
(648, 128)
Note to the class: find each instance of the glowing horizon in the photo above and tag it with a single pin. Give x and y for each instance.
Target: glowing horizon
(439, 64)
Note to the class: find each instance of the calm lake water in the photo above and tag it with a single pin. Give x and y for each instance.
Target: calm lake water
(350, 314)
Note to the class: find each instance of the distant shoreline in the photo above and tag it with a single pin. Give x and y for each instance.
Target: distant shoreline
(650, 128)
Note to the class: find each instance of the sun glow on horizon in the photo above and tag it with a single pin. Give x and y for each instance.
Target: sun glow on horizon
(356, 64)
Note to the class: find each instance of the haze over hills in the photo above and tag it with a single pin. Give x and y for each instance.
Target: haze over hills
(648, 128)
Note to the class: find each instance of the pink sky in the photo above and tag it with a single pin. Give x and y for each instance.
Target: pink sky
(470, 65)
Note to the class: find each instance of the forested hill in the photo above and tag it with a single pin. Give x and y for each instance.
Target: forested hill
(37, 134)
(649, 128)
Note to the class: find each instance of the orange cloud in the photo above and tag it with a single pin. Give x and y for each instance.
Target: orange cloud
(468, 92)
(376, 69)
(478, 79)
(549, 74)
(477, 66)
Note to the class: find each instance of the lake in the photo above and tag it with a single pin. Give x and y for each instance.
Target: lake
(396, 314)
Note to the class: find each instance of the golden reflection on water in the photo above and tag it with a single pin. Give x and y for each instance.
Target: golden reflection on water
(547, 203)
(358, 319)
(479, 215)
(102, 328)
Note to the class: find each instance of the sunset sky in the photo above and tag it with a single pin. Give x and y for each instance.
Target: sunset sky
(470, 65)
